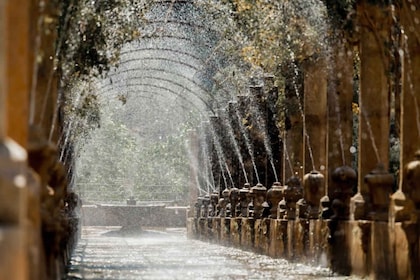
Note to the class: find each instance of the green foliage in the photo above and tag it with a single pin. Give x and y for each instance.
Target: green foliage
(91, 34)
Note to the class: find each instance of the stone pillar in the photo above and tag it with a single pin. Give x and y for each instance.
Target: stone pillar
(340, 116)
(45, 86)
(18, 68)
(293, 138)
(14, 88)
(374, 23)
(315, 116)
(258, 131)
(315, 133)
(410, 107)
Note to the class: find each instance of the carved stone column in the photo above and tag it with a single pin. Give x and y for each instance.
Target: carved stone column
(18, 67)
(15, 67)
(406, 201)
(293, 124)
(340, 116)
(375, 24)
(315, 116)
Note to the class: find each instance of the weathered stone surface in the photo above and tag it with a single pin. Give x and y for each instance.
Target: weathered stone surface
(235, 231)
(313, 191)
(315, 116)
(274, 195)
(340, 191)
(225, 231)
(278, 238)
(13, 191)
(374, 103)
(360, 246)
(247, 233)
(262, 241)
(13, 253)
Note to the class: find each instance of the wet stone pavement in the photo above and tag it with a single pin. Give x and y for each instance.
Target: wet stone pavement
(103, 253)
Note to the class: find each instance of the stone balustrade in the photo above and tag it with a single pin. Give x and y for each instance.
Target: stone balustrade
(343, 205)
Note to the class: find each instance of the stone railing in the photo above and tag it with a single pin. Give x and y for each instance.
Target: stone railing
(349, 200)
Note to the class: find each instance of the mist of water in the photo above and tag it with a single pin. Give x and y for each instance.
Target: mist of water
(247, 143)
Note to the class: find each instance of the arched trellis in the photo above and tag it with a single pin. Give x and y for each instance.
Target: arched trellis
(166, 89)
(203, 63)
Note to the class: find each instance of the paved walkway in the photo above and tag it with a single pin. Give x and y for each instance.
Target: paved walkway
(168, 254)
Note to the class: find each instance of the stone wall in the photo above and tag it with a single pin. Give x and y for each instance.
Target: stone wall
(144, 216)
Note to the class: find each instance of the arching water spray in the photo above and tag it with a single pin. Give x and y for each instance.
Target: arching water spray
(194, 165)
(208, 172)
(305, 132)
(221, 157)
(248, 144)
(288, 159)
(262, 127)
(236, 147)
(371, 136)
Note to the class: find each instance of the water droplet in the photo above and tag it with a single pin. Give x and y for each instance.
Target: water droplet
(401, 52)
(19, 181)
(416, 20)
(353, 149)
(322, 167)
(413, 7)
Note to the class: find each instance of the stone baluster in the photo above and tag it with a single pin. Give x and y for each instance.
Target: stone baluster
(380, 184)
(223, 203)
(259, 193)
(274, 195)
(244, 200)
(197, 206)
(325, 211)
(412, 180)
(293, 192)
(313, 191)
(234, 200)
(282, 210)
(205, 206)
(251, 209)
(214, 199)
(343, 183)
(405, 202)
